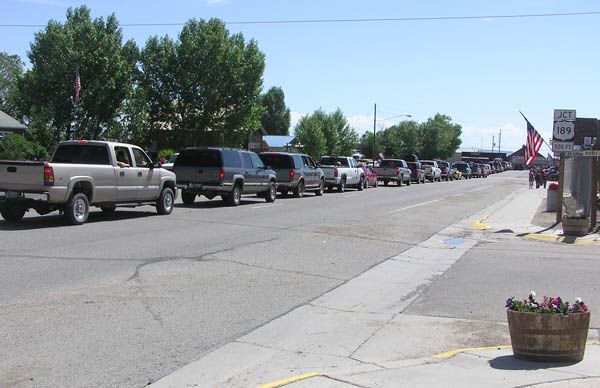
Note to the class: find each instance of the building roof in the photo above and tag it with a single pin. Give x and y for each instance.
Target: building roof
(7, 122)
(278, 141)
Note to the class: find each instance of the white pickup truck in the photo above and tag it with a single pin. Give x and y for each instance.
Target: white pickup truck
(84, 173)
(341, 172)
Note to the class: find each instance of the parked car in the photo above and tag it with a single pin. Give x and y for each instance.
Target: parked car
(370, 176)
(169, 164)
(85, 173)
(417, 174)
(230, 173)
(432, 171)
(393, 170)
(457, 174)
(487, 169)
(295, 173)
(447, 170)
(464, 169)
(341, 172)
(475, 170)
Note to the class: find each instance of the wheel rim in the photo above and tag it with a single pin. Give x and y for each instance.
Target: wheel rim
(168, 202)
(272, 191)
(79, 209)
(301, 189)
(321, 187)
(236, 195)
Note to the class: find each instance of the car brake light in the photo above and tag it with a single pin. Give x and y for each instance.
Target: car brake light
(335, 172)
(83, 141)
(292, 174)
(222, 175)
(48, 176)
(397, 170)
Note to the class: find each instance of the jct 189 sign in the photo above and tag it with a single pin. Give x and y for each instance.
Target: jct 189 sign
(564, 130)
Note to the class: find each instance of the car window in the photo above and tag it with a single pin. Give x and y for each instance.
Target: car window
(311, 162)
(305, 161)
(297, 161)
(199, 158)
(81, 154)
(141, 160)
(231, 158)
(277, 161)
(246, 160)
(427, 163)
(122, 154)
(256, 162)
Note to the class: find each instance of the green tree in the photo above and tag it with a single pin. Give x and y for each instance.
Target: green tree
(346, 138)
(91, 47)
(402, 139)
(365, 145)
(440, 137)
(276, 118)
(11, 69)
(16, 147)
(309, 133)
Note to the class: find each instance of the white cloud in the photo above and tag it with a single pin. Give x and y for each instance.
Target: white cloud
(513, 136)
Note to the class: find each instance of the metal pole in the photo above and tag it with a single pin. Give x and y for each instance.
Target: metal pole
(374, 125)
(493, 142)
(500, 141)
(561, 186)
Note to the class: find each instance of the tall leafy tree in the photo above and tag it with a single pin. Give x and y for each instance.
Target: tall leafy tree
(11, 68)
(365, 145)
(440, 137)
(276, 117)
(309, 133)
(402, 139)
(94, 49)
(346, 137)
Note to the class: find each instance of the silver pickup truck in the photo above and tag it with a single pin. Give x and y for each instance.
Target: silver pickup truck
(83, 174)
(340, 172)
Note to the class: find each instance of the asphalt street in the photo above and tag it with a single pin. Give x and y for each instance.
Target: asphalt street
(125, 299)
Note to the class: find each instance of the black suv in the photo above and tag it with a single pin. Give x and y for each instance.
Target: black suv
(295, 172)
(226, 172)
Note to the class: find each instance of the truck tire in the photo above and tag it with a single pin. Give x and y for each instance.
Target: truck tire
(361, 184)
(385, 182)
(408, 182)
(321, 188)
(400, 181)
(188, 198)
(77, 209)
(299, 190)
(342, 186)
(166, 199)
(235, 195)
(271, 192)
(12, 214)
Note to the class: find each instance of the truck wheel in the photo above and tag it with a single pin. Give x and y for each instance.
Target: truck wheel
(321, 188)
(400, 181)
(299, 190)
(188, 198)
(408, 182)
(164, 205)
(385, 182)
(12, 214)
(342, 186)
(77, 209)
(361, 184)
(271, 193)
(235, 196)
(376, 184)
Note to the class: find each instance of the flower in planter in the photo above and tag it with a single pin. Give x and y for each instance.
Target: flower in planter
(548, 305)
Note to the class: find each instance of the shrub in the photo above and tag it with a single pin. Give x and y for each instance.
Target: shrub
(16, 147)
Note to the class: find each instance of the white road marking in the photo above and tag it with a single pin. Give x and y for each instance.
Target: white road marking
(410, 207)
(265, 206)
(481, 188)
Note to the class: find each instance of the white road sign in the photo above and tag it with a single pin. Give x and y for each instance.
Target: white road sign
(564, 115)
(561, 146)
(564, 130)
(591, 153)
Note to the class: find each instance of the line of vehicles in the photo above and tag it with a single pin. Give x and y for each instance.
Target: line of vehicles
(107, 175)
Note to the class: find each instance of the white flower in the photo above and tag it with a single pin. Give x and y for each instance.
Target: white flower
(578, 300)
(532, 294)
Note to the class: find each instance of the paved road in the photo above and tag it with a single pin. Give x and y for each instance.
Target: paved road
(125, 299)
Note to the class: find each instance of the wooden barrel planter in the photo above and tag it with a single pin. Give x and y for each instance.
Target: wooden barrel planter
(548, 337)
(575, 226)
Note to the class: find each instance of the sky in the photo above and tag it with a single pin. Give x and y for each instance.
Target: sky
(480, 71)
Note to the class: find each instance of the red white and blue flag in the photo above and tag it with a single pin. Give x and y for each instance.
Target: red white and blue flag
(533, 145)
(77, 86)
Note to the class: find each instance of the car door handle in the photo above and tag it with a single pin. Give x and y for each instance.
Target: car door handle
(122, 173)
(140, 173)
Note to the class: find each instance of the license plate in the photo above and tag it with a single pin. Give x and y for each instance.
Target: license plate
(12, 194)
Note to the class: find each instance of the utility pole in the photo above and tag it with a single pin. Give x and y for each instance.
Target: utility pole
(374, 126)
(493, 142)
(500, 141)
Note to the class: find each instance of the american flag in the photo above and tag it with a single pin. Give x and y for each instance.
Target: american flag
(77, 86)
(533, 145)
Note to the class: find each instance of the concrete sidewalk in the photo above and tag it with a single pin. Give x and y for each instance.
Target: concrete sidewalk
(358, 336)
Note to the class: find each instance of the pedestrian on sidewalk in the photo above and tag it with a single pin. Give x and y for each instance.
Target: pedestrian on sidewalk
(531, 175)
(543, 177)
(538, 179)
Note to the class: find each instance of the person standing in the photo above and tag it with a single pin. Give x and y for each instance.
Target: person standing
(531, 176)
(538, 178)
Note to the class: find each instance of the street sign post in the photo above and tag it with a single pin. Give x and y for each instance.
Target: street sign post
(563, 131)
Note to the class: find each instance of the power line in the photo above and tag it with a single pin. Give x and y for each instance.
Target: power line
(366, 20)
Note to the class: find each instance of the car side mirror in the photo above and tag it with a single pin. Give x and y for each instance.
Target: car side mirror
(155, 164)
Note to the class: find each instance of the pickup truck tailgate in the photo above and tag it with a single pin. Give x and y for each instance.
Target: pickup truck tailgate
(21, 176)
(386, 171)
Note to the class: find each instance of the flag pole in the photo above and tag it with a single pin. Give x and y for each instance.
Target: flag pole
(544, 140)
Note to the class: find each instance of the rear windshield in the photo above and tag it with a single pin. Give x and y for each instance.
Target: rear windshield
(412, 164)
(443, 164)
(427, 162)
(390, 163)
(199, 158)
(81, 154)
(461, 166)
(277, 161)
(329, 161)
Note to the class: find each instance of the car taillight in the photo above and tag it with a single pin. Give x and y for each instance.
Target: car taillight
(222, 175)
(292, 174)
(335, 172)
(397, 170)
(48, 176)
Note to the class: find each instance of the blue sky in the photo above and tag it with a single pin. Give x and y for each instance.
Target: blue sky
(481, 72)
